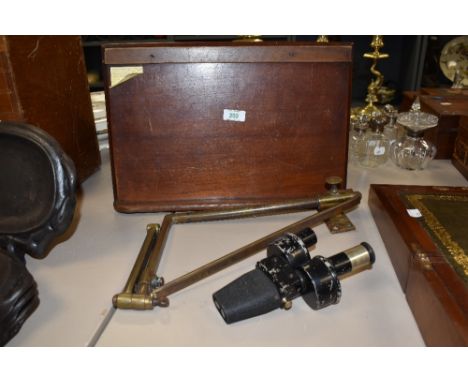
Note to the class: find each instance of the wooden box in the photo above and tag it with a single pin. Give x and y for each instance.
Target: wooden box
(43, 82)
(225, 124)
(429, 252)
(448, 105)
(460, 153)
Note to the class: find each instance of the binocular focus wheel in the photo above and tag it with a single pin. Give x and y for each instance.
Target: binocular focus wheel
(18, 296)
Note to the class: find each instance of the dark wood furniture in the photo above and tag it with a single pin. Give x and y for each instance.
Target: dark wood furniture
(460, 153)
(435, 285)
(447, 104)
(43, 82)
(175, 145)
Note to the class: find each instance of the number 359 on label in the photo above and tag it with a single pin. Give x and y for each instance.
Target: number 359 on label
(234, 115)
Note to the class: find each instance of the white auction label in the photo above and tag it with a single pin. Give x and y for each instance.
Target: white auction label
(379, 150)
(414, 212)
(234, 115)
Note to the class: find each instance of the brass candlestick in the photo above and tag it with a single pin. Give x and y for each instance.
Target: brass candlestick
(249, 38)
(323, 39)
(376, 84)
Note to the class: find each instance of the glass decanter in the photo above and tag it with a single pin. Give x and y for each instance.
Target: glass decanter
(413, 152)
(390, 129)
(357, 137)
(376, 144)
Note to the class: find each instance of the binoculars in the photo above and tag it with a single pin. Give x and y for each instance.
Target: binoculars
(288, 272)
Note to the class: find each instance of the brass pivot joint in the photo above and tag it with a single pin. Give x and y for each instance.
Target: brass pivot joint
(132, 301)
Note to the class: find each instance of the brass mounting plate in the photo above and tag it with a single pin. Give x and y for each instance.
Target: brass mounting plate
(340, 223)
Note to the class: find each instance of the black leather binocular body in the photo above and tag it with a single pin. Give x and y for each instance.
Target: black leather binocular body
(288, 272)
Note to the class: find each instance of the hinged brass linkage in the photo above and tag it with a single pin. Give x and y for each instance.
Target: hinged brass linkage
(144, 289)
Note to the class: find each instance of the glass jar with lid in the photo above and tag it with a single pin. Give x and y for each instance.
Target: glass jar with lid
(391, 128)
(375, 152)
(357, 138)
(413, 152)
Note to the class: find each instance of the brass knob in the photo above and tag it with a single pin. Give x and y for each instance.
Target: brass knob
(333, 183)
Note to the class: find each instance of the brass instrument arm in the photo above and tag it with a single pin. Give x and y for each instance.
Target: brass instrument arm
(151, 236)
(143, 279)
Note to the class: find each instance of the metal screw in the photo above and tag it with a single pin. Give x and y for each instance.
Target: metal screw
(287, 304)
(157, 282)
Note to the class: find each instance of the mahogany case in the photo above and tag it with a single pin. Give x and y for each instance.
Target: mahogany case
(197, 126)
(435, 287)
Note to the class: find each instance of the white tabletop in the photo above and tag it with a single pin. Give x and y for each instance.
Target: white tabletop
(79, 277)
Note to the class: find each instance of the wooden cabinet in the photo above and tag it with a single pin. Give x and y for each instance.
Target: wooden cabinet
(196, 126)
(43, 82)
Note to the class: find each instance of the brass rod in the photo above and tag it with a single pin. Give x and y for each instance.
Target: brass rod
(160, 294)
(149, 272)
(245, 212)
(151, 237)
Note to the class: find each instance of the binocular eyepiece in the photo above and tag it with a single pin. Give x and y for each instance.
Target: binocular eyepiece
(287, 272)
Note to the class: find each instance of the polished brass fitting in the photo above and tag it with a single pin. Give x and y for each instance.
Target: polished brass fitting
(132, 301)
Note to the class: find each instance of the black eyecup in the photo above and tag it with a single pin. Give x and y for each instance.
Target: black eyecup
(370, 250)
(248, 296)
(308, 237)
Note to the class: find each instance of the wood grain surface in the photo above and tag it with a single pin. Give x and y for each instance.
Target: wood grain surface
(172, 149)
(43, 82)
